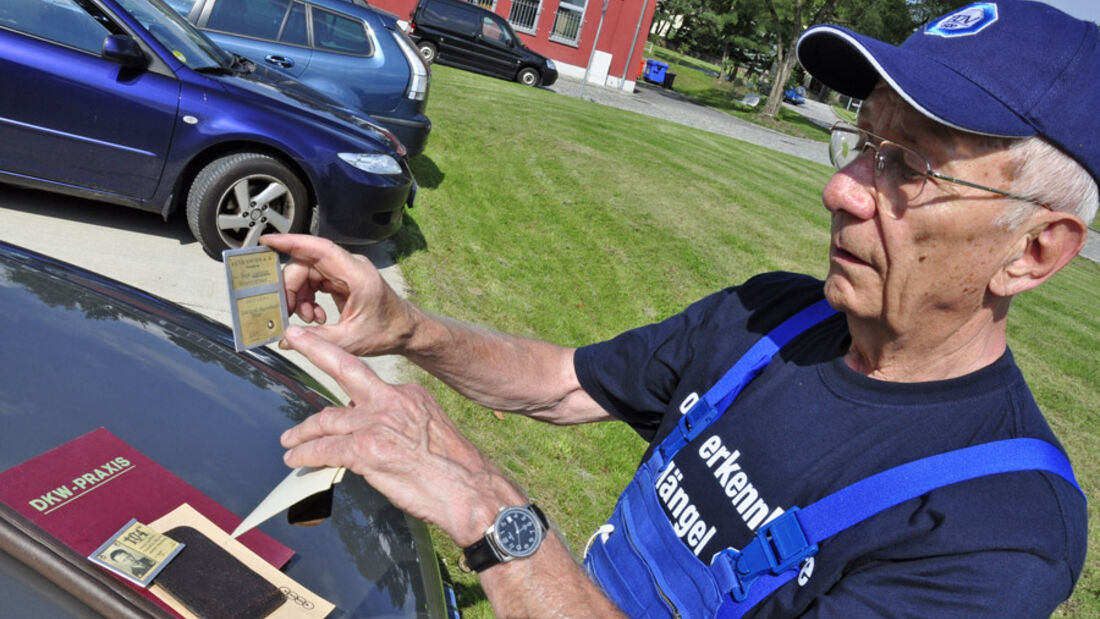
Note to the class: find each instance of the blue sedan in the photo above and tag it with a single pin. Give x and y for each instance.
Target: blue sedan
(795, 95)
(124, 101)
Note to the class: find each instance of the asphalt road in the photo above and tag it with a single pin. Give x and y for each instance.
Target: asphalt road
(143, 250)
(669, 105)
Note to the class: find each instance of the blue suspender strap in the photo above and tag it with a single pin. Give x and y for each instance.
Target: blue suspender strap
(660, 577)
(722, 394)
(780, 546)
(719, 397)
(853, 504)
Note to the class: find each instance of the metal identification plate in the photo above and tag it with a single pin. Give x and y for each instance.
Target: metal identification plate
(136, 553)
(256, 297)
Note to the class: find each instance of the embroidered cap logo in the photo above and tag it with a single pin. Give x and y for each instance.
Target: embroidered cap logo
(964, 22)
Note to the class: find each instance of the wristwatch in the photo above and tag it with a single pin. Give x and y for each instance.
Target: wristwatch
(517, 532)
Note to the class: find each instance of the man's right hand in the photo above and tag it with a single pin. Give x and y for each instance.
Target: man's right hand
(497, 371)
(373, 320)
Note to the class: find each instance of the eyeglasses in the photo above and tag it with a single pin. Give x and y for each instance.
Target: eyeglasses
(897, 168)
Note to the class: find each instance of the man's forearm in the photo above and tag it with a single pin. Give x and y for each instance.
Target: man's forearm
(501, 372)
(547, 584)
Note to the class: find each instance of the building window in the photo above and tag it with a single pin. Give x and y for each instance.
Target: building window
(485, 4)
(567, 22)
(525, 15)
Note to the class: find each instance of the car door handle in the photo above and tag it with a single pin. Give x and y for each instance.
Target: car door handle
(281, 61)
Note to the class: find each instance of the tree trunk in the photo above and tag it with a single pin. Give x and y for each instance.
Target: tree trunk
(785, 60)
(782, 57)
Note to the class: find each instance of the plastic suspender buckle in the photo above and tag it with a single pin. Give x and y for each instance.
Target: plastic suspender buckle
(694, 421)
(779, 546)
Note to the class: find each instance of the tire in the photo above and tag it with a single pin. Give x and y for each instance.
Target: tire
(278, 202)
(528, 77)
(428, 51)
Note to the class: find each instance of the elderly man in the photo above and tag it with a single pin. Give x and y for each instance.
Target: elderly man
(862, 446)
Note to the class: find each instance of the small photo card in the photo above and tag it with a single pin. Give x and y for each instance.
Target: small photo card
(256, 297)
(136, 553)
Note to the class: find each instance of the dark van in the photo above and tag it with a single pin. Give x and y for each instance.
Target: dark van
(469, 37)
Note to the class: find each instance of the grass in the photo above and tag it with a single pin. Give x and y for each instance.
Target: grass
(844, 114)
(693, 83)
(557, 218)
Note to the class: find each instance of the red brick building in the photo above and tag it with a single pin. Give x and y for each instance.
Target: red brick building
(565, 30)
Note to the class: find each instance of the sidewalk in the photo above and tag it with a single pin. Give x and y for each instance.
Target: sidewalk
(669, 105)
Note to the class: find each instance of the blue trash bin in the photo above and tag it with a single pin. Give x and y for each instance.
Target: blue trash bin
(655, 71)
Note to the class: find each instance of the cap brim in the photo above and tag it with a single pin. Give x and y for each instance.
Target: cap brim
(852, 64)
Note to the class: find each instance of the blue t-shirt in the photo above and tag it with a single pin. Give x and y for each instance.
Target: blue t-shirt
(1009, 545)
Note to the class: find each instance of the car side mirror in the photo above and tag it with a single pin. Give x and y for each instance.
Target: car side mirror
(123, 49)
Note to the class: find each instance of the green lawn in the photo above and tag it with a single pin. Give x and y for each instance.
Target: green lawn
(562, 219)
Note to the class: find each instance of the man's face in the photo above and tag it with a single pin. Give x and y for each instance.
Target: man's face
(124, 559)
(901, 261)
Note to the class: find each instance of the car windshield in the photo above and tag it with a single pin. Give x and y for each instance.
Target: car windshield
(187, 44)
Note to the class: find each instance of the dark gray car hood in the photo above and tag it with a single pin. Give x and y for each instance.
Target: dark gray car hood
(81, 352)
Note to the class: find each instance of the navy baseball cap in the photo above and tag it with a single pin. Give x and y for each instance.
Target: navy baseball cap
(1010, 68)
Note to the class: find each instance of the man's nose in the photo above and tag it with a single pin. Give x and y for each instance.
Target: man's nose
(852, 188)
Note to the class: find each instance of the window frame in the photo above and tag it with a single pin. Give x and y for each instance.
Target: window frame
(211, 8)
(368, 33)
(534, 20)
(567, 5)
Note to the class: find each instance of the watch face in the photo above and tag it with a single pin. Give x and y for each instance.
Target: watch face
(517, 532)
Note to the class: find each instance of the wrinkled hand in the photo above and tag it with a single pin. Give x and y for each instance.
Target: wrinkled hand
(373, 318)
(400, 440)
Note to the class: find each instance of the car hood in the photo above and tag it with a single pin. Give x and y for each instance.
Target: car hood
(83, 351)
(289, 92)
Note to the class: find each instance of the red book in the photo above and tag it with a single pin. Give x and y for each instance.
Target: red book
(84, 491)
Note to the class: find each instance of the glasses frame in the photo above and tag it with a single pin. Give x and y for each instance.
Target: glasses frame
(876, 145)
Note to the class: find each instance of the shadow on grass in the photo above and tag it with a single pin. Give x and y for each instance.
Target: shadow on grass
(426, 172)
(409, 239)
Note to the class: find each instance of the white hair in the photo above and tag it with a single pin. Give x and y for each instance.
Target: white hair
(1049, 175)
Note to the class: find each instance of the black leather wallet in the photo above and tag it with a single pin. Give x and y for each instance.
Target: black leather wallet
(214, 584)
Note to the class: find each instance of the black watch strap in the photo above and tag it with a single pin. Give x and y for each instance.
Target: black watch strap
(480, 555)
(541, 516)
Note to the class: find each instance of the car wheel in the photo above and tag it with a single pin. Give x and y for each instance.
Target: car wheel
(235, 199)
(427, 51)
(528, 77)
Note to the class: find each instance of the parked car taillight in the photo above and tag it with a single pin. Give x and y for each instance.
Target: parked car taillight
(418, 70)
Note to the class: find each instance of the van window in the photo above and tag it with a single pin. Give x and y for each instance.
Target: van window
(494, 31)
(251, 18)
(452, 17)
(336, 33)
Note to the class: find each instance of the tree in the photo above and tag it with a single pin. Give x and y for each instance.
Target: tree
(891, 21)
(789, 18)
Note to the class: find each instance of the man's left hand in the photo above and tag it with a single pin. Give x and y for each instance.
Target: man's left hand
(402, 442)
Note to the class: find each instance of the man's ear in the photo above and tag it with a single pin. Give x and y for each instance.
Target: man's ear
(1043, 246)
